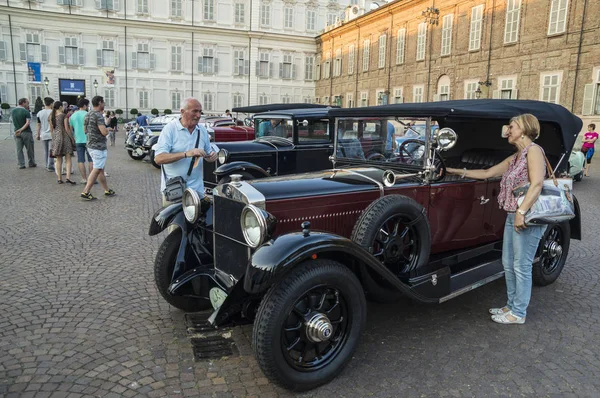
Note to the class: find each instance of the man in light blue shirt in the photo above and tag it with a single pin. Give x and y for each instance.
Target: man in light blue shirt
(176, 147)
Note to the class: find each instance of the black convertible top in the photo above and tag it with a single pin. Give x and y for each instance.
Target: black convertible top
(275, 107)
(570, 125)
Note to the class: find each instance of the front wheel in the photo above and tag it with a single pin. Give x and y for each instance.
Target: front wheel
(308, 325)
(152, 160)
(164, 265)
(136, 154)
(552, 254)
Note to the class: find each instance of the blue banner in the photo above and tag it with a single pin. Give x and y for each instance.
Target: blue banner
(34, 72)
(72, 87)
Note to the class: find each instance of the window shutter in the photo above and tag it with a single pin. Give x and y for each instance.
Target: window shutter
(116, 58)
(44, 53)
(82, 56)
(99, 4)
(23, 51)
(246, 67)
(257, 68)
(134, 60)
(152, 61)
(280, 70)
(216, 65)
(514, 94)
(3, 93)
(496, 94)
(271, 67)
(200, 65)
(2, 50)
(294, 72)
(99, 57)
(61, 55)
(588, 99)
(61, 2)
(236, 64)
(116, 5)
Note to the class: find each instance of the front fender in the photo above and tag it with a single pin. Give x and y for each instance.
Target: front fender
(230, 168)
(575, 223)
(171, 214)
(272, 260)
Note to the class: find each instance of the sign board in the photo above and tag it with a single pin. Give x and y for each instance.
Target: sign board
(34, 72)
(71, 87)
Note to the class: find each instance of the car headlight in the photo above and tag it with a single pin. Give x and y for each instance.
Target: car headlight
(254, 225)
(191, 205)
(223, 155)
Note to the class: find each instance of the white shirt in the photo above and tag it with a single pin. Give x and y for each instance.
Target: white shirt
(43, 115)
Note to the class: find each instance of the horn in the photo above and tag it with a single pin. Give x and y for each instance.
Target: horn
(389, 178)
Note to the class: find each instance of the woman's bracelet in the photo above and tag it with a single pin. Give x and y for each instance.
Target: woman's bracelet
(464, 172)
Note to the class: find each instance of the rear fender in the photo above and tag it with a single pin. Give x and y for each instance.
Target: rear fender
(575, 223)
(271, 261)
(231, 168)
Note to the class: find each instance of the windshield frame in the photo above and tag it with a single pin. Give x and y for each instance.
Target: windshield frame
(269, 118)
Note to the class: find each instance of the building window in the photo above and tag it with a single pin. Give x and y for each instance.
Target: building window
(447, 34)
(470, 89)
(364, 98)
(142, 8)
(208, 63)
(307, 100)
(550, 87)
(143, 56)
(107, 56)
(309, 67)
(143, 97)
(507, 89)
(421, 41)
(264, 66)
(382, 48)
(366, 55)
(176, 8)
(240, 13)
(326, 101)
(286, 99)
(238, 100)
(286, 67)
(349, 100)
(111, 5)
(351, 58)
(71, 51)
(511, 27)
(208, 103)
(400, 46)
(337, 63)
(176, 54)
(175, 100)
(475, 33)
(241, 66)
(35, 91)
(398, 95)
(288, 17)
(109, 97)
(381, 97)
(33, 48)
(263, 99)
(326, 67)
(417, 93)
(209, 10)
(331, 17)
(558, 17)
(444, 94)
(72, 3)
(265, 15)
(311, 16)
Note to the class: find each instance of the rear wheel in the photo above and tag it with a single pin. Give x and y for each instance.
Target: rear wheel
(308, 325)
(163, 272)
(552, 254)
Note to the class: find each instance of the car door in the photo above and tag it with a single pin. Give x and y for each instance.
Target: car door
(495, 216)
(314, 146)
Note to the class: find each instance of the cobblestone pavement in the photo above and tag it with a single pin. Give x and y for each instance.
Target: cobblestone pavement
(80, 316)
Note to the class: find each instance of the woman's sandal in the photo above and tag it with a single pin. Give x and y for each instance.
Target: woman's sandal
(59, 181)
(71, 182)
(503, 319)
(499, 311)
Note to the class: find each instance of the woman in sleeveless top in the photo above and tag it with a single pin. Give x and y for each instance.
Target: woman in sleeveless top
(62, 141)
(520, 240)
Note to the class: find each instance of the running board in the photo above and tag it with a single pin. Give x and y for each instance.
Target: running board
(460, 282)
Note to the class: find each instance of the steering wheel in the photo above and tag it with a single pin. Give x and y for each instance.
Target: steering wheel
(376, 156)
(440, 168)
(403, 150)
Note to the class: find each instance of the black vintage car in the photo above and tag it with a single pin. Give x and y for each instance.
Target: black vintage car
(298, 255)
(286, 141)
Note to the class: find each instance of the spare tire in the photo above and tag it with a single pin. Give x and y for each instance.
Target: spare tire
(395, 230)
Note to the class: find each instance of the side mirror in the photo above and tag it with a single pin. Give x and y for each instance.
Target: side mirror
(446, 138)
(504, 131)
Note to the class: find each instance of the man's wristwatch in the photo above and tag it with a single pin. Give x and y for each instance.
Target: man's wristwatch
(522, 212)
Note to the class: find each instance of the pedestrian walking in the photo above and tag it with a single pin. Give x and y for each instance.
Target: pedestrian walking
(62, 142)
(44, 133)
(521, 241)
(21, 119)
(114, 127)
(141, 120)
(96, 133)
(589, 139)
(77, 125)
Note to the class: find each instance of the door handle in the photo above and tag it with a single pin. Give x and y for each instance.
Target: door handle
(483, 200)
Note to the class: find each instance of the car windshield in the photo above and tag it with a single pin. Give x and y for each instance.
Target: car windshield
(274, 127)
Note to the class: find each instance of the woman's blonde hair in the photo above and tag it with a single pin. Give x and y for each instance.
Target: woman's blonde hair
(529, 124)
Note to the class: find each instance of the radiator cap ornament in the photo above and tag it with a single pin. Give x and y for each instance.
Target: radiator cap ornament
(305, 228)
(236, 179)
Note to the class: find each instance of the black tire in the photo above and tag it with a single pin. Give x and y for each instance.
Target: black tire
(341, 293)
(227, 178)
(578, 176)
(152, 160)
(136, 157)
(552, 261)
(163, 269)
(378, 216)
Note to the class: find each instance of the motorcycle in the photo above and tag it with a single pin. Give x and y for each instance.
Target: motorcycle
(136, 143)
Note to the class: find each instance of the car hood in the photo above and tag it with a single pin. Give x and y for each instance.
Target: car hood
(319, 183)
(251, 146)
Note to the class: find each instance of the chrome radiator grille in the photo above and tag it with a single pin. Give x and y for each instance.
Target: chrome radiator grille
(230, 253)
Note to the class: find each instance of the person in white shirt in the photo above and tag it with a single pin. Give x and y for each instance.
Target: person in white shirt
(43, 132)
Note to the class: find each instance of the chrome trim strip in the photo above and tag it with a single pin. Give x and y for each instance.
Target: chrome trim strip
(474, 286)
(380, 185)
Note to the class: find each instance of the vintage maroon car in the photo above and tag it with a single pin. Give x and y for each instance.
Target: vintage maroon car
(299, 254)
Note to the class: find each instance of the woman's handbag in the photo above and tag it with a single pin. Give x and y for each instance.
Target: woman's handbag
(175, 186)
(555, 203)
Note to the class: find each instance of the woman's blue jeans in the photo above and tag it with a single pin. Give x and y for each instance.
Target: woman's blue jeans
(518, 252)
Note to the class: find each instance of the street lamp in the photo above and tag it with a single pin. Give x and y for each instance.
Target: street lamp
(478, 92)
(46, 82)
(96, 87)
